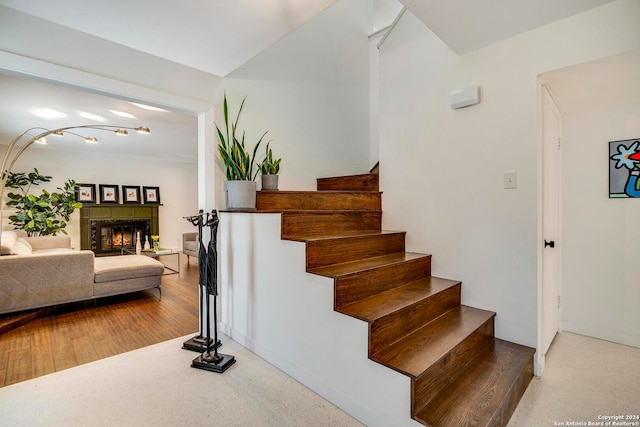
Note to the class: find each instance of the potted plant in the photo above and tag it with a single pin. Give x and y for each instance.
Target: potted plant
(46, 214)
(270, 169)
(240, 187)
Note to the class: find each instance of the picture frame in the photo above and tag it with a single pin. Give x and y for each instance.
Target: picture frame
(131, 194)
(624, 169)
(151, 195)
(85, 193)
(109, 193)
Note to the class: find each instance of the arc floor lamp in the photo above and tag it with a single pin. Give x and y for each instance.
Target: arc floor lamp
(39, 134)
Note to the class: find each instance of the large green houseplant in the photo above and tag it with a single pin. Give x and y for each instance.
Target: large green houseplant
(240, 188)
(43, 214)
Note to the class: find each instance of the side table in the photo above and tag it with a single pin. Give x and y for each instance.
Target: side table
(162, 252)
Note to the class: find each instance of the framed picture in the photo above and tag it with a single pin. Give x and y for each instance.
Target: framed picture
(130, 194)
(151, 194)
(624, 168)
(86, 193)
(109, 194)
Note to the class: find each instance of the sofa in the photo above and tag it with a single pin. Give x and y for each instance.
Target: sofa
(44, 271)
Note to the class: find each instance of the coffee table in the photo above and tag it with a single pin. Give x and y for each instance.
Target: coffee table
(162, 252)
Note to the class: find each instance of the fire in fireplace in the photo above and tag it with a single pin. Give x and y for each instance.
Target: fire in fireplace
(112, 236)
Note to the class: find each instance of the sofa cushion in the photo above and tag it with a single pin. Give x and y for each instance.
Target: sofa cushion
(49, 242)
(22, 247)
(7, 240)
(123, 267)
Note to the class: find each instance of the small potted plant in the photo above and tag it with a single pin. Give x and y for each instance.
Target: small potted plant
(270, 169)
(240, 187)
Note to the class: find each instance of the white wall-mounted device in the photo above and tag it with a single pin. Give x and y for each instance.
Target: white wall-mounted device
(464, 97)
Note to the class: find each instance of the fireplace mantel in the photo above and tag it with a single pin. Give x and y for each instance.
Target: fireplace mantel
(105, 212)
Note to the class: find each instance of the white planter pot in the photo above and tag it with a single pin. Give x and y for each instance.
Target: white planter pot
(240, 194)
(269, 182)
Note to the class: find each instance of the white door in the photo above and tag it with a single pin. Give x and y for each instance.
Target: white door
(551, 128)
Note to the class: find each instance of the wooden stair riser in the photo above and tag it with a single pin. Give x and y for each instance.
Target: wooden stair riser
(391, 328)
(297, 225)
(357, 286)
(448, 368)
(309, 200)
(508, 406)
(345, 249)
(364, 182)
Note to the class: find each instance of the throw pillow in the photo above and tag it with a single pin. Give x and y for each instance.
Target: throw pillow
(7, 240)
(22, 247)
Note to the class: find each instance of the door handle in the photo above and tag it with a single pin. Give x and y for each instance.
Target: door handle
(551, 244)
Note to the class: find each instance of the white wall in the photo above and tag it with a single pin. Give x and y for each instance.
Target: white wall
(601, 239)
(311, 92)
(177, 181)
(442, 170)
(374, 102)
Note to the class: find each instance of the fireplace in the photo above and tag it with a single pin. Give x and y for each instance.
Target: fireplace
(130, 217)
(111, 236)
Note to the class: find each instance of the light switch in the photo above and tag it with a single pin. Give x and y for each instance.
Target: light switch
(511, 179)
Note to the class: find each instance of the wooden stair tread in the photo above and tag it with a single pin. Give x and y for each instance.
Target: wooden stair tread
(416, 352)
(347, 234)
(355, 175)
(340, 235)
(384, 303)
(485, 390)
(352, 267)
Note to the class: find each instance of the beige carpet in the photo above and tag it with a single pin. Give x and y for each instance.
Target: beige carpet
(585, 379)
(155, 386)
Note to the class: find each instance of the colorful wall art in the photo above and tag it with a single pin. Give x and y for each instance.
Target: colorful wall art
(624, 168)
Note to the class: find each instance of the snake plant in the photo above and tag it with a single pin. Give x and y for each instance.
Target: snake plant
(233, 152)
(268, 165)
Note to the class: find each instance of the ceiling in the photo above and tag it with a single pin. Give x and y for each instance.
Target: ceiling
(24, 103)
(221, 35)
(611, 82)
(467, 25)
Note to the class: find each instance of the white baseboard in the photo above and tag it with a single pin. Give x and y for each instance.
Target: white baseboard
(602, 333)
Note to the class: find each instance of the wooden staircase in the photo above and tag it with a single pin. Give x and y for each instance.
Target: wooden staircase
(461, 375)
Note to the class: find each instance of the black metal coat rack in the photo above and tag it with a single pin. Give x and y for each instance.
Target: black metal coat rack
(199, 343)
(208, 281)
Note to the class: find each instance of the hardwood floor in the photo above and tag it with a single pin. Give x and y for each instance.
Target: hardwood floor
(74, 334)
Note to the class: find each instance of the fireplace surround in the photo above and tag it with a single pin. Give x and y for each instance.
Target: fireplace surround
(105, 229)
(111, 236)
